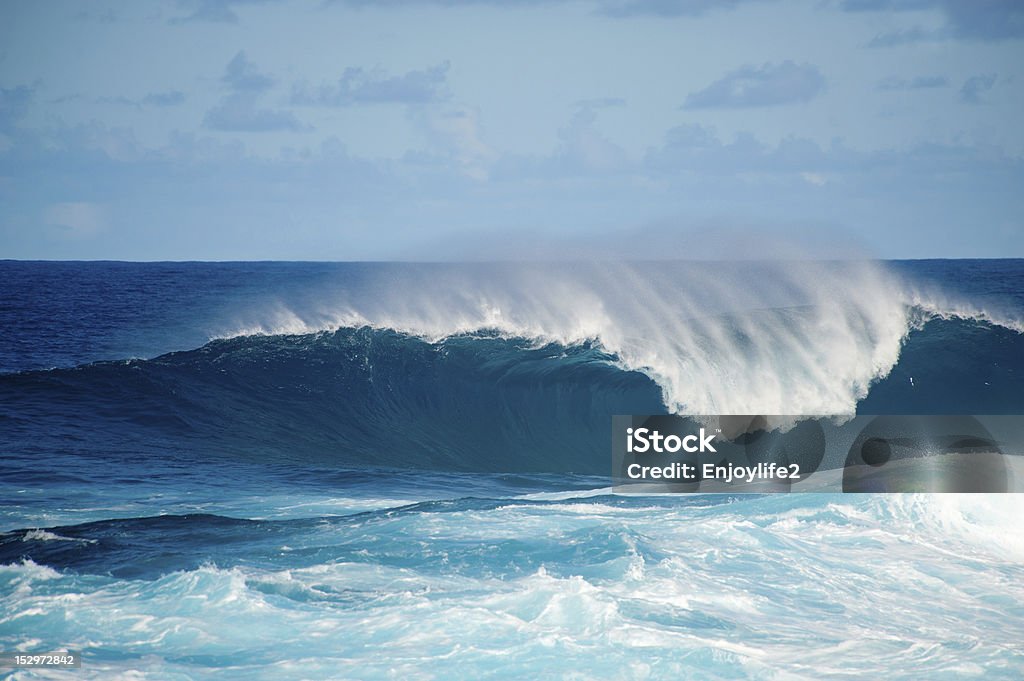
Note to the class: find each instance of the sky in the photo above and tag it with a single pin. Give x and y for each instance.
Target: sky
(490, 129)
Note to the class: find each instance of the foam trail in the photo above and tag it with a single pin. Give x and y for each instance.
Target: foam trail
(759, 337)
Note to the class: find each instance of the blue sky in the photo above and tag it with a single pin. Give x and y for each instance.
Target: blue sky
(426, 129)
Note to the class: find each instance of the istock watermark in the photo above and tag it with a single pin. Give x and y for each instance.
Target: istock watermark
(757, 453)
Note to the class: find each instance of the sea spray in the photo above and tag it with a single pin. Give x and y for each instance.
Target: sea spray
(793, 337)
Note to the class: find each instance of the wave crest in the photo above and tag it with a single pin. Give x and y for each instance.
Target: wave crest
(793, 337)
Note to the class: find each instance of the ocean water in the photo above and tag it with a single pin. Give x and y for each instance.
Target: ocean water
(363, 471)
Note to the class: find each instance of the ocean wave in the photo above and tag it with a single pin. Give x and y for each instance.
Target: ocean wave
(518, 369)
(479, 402)
(793, 337)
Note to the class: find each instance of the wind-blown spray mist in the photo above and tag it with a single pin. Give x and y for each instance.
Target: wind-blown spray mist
(795, 337)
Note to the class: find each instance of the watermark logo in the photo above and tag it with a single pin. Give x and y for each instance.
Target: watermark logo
(729, 453)
(642, 440)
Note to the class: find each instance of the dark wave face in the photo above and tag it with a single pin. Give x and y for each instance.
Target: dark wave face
(953, 366)
(365, 397)
(351, 397)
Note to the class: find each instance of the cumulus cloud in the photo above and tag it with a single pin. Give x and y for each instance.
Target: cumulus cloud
(454, 132)
(986, 20)
(360, 86)
(584, 152)
(696, 149)
(765, 85)
(585, 149)
(241, 75)
(976, 86)
(240, 110)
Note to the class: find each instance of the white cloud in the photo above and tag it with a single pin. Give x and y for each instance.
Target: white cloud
(765, 85)
(455, 130)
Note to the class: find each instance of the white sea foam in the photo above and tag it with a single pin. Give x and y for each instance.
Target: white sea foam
(46, 535)
(896, 586)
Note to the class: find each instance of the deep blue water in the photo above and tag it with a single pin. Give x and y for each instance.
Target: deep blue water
(305, 470)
